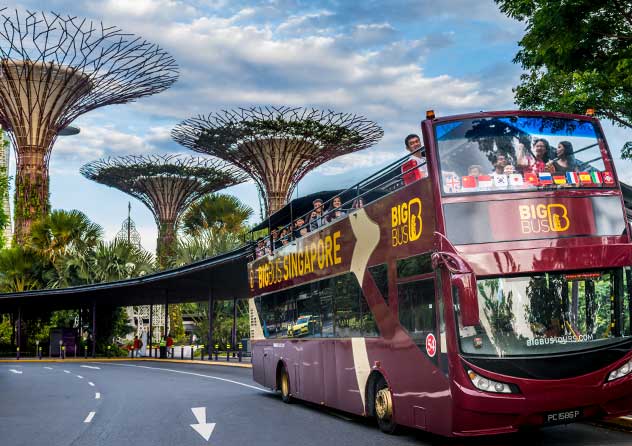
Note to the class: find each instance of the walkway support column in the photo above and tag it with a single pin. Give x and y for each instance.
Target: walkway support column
(94, 328)
(210, 324)
(151, 328)
(166, 313)
(19, 331)
(234, 334)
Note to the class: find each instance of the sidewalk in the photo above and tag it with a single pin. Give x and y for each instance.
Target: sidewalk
(232, 363)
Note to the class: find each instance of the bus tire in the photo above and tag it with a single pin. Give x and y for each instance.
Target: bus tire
(383, 404)
(284, 386)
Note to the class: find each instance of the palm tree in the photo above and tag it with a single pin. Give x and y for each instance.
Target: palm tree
(216, 211)
(206, 243)
(118, 260)
(19, 270)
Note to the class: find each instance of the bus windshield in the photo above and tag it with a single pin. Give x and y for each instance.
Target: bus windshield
(548, 313)
(517, 153)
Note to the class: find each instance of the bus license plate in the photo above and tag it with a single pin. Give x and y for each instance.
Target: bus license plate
(564, 416)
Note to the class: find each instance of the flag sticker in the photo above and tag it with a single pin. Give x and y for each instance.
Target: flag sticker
(468, 182)
(451, 183)
(584, 178)
(516, 180)
(595, 177)
(545, 178)
(501, 181)
(572, 177)
(484, 181)
(531, 178)
(559, 179)
(608, 178)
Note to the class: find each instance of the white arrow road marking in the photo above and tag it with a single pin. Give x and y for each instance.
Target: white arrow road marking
(91, 367)
(91, 383)
(66, 371)
(97, 396)
(48, 368)
(19, 372)
(203, 428)
(79, 376)
(89, 417)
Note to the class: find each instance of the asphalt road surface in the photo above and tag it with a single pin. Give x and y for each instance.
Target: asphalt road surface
(150, 403)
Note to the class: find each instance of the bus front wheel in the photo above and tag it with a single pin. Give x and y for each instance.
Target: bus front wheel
(284, 381)
(384, 407)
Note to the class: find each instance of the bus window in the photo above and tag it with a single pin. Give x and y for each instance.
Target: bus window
(416, 309)
(348, 318)
(380, 276)
(548, 313)
(413, 266)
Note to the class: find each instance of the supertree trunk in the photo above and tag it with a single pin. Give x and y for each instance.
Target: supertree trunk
(31, 191)
(166, 244)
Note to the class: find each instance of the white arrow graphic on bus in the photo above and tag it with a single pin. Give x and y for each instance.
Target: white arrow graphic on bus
(203, 428)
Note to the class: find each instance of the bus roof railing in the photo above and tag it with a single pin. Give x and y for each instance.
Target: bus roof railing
(362, 193)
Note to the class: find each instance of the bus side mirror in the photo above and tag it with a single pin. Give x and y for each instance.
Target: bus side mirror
(468, 298)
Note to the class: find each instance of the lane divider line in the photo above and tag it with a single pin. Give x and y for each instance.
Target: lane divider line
(89, 417)
(97, 396)
(261, 389)
(79, 376)
(90, 367)
(66, 371)
(18, 372)
(48, 368)
(91, 383)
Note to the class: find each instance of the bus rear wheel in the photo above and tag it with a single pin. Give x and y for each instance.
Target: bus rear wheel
(383, 404)
(284, 384)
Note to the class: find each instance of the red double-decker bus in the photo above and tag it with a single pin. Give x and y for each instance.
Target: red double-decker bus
(488, 293)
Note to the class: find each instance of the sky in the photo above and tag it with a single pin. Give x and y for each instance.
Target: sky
(388, 61)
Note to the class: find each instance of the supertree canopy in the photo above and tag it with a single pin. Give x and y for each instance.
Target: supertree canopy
(167, 184)
(55, 68)
(277, 146)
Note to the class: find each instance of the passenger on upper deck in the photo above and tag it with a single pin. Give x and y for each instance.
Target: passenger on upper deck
(285, 236)
(336, 211)
(317, 220)
(502, 165)
(300, 228)
(413, 144)
(475, 170)
(565, 161)
(260, 249)
(536, 164)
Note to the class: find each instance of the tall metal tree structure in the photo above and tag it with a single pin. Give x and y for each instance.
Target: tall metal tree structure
(277, 146)
(167, 184)
(54, 68)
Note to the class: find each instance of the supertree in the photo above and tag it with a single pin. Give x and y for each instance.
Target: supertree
(277, 146)
(167, 184)
(54, 68)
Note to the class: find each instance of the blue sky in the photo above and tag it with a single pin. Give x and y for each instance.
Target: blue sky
(388, 61)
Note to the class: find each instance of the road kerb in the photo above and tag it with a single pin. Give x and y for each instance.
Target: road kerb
(180, 361)
(621, 423)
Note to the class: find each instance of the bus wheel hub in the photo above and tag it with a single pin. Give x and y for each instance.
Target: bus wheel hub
(383, 404)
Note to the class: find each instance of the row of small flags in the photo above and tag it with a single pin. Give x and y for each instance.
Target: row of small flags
(452, 183)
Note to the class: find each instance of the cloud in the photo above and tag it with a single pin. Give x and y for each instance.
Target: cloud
(354, 161)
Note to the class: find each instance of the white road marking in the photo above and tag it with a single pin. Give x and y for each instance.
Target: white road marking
(202, 427)
(97, 396)
(261, 389)
(79, 376)
(48, 368)
(89, 417)
(91, 367)
(66, 371)
(91, 383)
(19, 372)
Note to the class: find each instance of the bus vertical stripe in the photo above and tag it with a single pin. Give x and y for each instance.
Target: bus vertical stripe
(361, 366)
(367, 234)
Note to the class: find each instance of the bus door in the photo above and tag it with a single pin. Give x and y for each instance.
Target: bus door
(311, 360)
(330, 378)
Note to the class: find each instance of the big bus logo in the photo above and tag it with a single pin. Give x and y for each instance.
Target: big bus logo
(540, 218)
(406, 222)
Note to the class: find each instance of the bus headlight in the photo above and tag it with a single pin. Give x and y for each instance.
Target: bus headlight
(489, 385)
(622, 371)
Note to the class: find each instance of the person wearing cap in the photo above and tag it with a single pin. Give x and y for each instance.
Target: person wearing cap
(315, 221)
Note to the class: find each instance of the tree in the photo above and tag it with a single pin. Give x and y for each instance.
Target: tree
(578, 55)
(205, 244)
(19, 270)
(220, 211)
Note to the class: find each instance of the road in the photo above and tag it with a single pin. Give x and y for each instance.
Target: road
(150, 403)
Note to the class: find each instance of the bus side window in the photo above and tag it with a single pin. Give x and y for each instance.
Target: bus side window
(626, 317)
(416, 309)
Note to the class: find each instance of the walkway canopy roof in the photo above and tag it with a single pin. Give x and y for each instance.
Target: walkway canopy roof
(225, 276)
